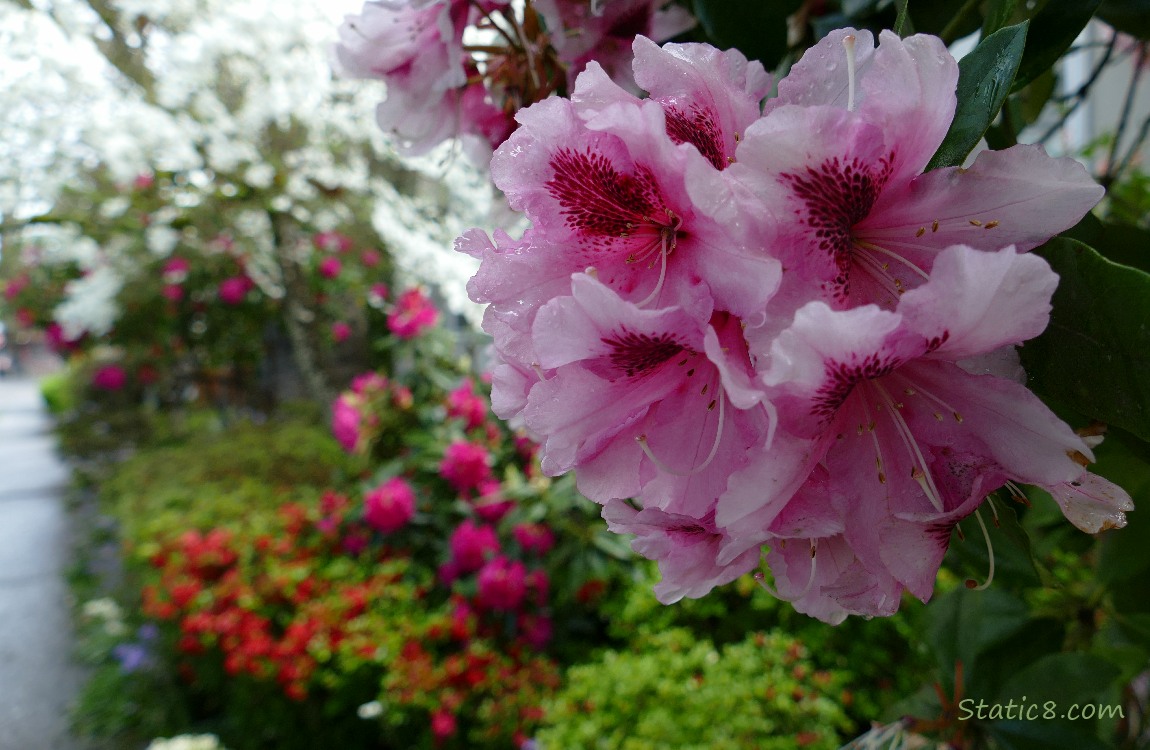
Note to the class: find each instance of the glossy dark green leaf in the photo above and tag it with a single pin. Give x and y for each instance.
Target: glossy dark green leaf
(1124, 558)
(1063, 678)
(1130, 16)
(1095, 354)
(1041, 735)
(758, 28)
(964, 624)
(998, 14)
(1052, 30)
(984, 78)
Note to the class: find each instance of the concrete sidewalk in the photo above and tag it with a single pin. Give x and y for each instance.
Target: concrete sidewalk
(38, 679)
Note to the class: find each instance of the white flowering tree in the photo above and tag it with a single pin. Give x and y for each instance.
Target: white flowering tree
(131, 131)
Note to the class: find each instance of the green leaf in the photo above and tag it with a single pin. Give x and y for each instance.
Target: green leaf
(1095, 354)
(1125, 553)
(758, 28)
(901, 26)
(1052, 30)
(1040, 735)
(984, 78)
(964, 624)
(1130, 16)
(998, 13)
(1064, 678)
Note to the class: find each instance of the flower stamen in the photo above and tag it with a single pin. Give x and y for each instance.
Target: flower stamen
(642, 441)
(970, 582)
(849, 46)
(921, 472)
(761, 578)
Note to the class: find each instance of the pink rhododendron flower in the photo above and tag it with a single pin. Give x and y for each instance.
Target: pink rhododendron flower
(417, 48)
(471, 545)
(465, 465)
(389, 506)
(686, 548)
(915, 414)
(586, 30)
(232, 291)
(340, 331)
(330, 267)
(345, 422)
(652, 401)
(502, 584)
(172, 292)
(839, 181)
(533, 537)
(109, 378)
(414, 313)
(746, 329)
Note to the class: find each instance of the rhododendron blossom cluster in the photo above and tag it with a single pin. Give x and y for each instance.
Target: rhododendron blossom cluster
(757, 327)
(462, 68)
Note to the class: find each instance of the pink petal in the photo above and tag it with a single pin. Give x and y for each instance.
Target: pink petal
(1092, 503)
(977, 301)
(1019, 196)
(710, 97)
(1015, 429)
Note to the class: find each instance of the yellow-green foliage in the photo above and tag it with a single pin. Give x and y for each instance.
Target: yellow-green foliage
(675, 691)
(217, 478)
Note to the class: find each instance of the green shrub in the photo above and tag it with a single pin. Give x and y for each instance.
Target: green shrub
(675, 691)
(58, 392)
(217, 478)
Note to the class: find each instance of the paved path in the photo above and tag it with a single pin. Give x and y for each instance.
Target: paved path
(37, 678)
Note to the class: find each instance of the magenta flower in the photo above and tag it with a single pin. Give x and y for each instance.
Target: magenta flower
(389, 506)
(502, 584)
(176, 271)
(465, 465)
(172, 292)
(109, 378)
(345, 422)
(534, 537)
(233, 290)
(850, 213)
(340, 331)
(465, 404)
(330, 267)
(414, 313)
(491, 506)
(369, 382)
(471, 545)
(537, 631)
